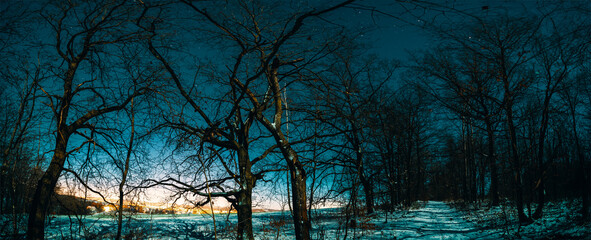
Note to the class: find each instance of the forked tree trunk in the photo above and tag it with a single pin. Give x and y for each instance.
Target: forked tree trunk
(46, 185)
(516, 169)
(124, 173)
(297, 172)
(45, 188)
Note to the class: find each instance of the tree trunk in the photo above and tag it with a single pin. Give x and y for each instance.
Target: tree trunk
(398, 178)
(584, 188)
(419, 176)
(244, 212)
(45, 188)
(541, 169)
(583, 169)
(298, 188)
(494, 194)
(407, 171)
(368, 191)
(465, 175)
(540, 191)
(244, 197)
(516, 169)
(297, 172)
(392, 195)
(583, 179)
(391, 177)
(365, 182)
(473, 169)
(124, 173)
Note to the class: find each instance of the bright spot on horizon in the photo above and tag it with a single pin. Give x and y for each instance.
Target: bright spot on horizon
(108, 208)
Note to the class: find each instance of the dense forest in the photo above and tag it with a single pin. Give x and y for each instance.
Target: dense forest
(109, 103)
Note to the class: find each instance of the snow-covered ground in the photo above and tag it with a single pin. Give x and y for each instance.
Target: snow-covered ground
(429, 220)
(436, 220)
(560, 221)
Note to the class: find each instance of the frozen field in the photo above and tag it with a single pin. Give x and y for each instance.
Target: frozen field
(431, 220)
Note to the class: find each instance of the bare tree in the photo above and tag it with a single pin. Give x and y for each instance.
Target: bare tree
(255, 97)
(503, 48)
(227, 131)
(351, 87)
(465, 85)
(574, 97)
(19, 156)
(75, 40)
(19, 162)
(557, 55)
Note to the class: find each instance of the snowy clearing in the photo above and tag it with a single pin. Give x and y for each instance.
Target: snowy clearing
(428, 220)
